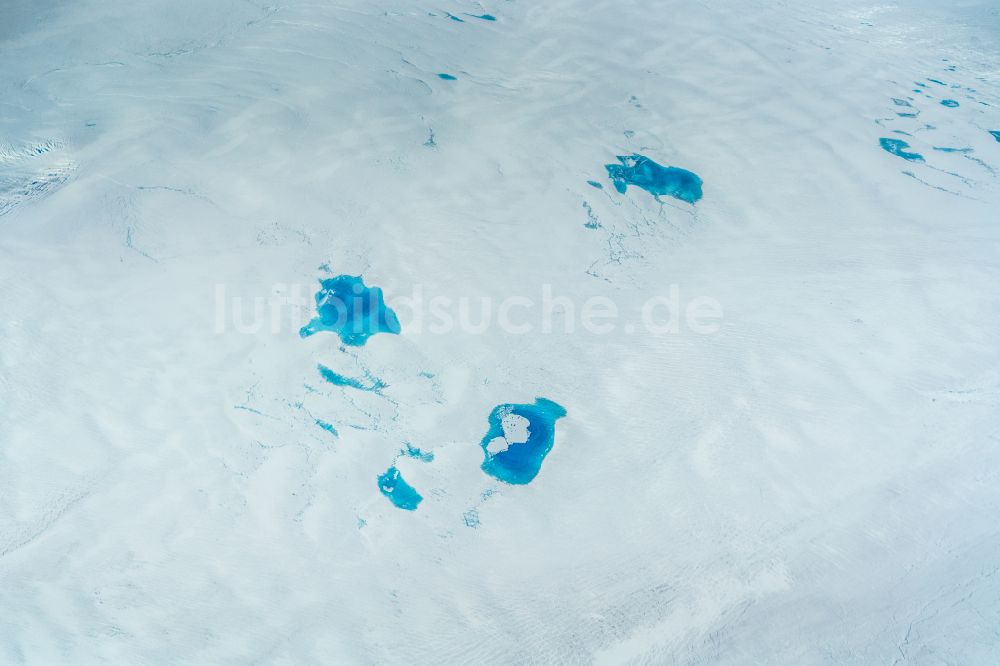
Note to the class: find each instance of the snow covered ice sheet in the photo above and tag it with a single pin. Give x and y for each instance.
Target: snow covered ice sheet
(802, 467)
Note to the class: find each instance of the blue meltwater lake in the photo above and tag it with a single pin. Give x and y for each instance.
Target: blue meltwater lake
(518, 439)
(400, 493)
(644, 173)
(355, 312)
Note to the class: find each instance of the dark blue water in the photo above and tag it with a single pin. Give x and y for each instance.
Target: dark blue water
(950, 103)
(642, 172)
(351, 310)
(995, 133)
(594, 183)
(372, 384)
(508, 455)
(447, 77)
(900, 148)
(399, 492)
(940, 83)
(485, 17)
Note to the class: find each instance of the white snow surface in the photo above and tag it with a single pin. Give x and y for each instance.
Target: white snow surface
(816, 483)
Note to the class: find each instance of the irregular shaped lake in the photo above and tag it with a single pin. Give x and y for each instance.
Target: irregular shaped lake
(372, 384)
(413, 452)
(900, 148)
(399, 492)
(351, 310)
(642, 172)
(519, 438)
